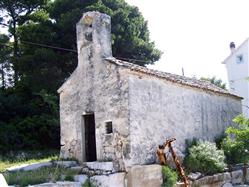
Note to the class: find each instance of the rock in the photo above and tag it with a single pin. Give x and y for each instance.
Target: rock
(29, 167)
(3, 182)
(80, 178)
(227, 184)
(237, 177)
(194, 176)
(105, 166)
(59, 184)
(78, 169)
(66, 164)
(146, 176)
(216, 180)
(247, 175)
(180, 184)
(113, 180)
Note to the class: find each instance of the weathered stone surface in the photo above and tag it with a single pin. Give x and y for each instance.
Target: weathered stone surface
(113, 180)
(228, 184)
(80, 178)
(3, 182)
(194, 176)
(77, 168)
(66, 164)
(155, 106)
(28, 167)
(247, 175)
(216, 180)
(105, 166)
(91, 172)
(95, 86)
(180, 184)
(59, 184)
(237, 177)
(146, 176)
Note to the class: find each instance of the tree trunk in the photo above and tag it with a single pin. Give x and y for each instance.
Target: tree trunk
(15, 53)
(2, 77)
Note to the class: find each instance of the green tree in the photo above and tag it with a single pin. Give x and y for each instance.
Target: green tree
(29, 110)
(55, 25)
(14, 13)
(215, 81)
(236, 143)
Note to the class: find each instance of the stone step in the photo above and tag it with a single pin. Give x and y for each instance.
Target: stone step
(104, 166)
(66, 164)
(59, 184)
(29, 167)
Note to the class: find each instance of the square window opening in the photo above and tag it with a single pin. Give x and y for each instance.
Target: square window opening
(239, 59)
(108, 127)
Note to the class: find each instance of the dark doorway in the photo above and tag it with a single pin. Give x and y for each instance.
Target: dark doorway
(90, 139)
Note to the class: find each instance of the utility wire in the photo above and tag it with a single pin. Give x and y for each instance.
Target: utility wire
(69, 50)
(49, 46)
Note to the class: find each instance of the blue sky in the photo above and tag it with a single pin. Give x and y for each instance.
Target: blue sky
(195, 34)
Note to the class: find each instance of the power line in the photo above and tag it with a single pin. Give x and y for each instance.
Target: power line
(49, 46)
(70, 50)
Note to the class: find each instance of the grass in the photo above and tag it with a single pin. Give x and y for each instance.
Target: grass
(45, 174)
(42, 175)
(27, 157)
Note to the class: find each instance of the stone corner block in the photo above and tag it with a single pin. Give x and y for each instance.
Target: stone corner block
(237, 177)
(80, 178)
(112, 180)
(145, 175)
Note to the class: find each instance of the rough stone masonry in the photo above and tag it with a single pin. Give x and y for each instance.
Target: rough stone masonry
(111, 110)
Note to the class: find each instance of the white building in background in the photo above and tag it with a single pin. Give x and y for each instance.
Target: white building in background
(237, 64)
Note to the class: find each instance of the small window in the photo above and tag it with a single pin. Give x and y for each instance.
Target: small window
(108, 126)
(239, 59)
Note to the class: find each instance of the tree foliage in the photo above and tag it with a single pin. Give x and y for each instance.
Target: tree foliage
(205, 157)
(29, 107)
(236, 143)
(169, 177)
(16, 13)
(215, 81)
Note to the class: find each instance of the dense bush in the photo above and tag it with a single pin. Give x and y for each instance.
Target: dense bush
(169, 177)
(236, 143)
(28, 123)
(205, 158)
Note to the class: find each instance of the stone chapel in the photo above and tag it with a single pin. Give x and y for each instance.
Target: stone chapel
(112, 110)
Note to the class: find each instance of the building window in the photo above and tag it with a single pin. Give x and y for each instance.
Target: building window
(239, 59)
(108, 127)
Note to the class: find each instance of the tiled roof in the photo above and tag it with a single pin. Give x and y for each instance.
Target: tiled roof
(192, 82)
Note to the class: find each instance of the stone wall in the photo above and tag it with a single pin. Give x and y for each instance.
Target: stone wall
(160, 109)
(95, 86)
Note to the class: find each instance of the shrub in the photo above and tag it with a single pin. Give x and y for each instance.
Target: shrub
(205, 158)
(236, 143)
(87, 183)
(169, 177)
